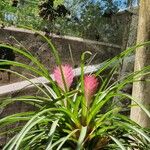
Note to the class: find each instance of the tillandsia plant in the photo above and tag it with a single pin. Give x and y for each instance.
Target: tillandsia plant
(82, 117)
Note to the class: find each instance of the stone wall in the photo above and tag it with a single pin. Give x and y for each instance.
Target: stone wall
(69, 48)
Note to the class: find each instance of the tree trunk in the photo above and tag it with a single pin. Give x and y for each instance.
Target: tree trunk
(141, 89)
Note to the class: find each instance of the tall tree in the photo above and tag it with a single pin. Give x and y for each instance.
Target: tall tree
(141, 89)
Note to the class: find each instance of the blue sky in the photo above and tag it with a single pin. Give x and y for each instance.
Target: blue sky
(121, 3)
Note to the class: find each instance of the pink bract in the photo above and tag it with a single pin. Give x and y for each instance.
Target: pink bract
(90, 86)
(68, 76)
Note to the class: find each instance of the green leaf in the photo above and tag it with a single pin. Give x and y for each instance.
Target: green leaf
(8, 144)
(51, 133)
(33, 140)
(138, 103)
(125, 53)
(27, 55)
(83, 102)
(120, 145)
(27, 79)
(16, 117)
(63, 140)
(103, 99)
(31, 100)
(66, 138)
(82, 136)
(106, 116)
(138, 131)
(17, 141)
(58, 2)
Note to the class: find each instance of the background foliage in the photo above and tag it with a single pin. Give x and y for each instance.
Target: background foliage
(86, 18)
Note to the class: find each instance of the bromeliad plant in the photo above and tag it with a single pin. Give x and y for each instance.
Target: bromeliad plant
(82, 117)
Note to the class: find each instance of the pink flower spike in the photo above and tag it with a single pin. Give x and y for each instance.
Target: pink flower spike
(68, 76)
(90, 87)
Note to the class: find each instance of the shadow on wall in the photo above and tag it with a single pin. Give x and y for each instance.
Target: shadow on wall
(6, 54)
